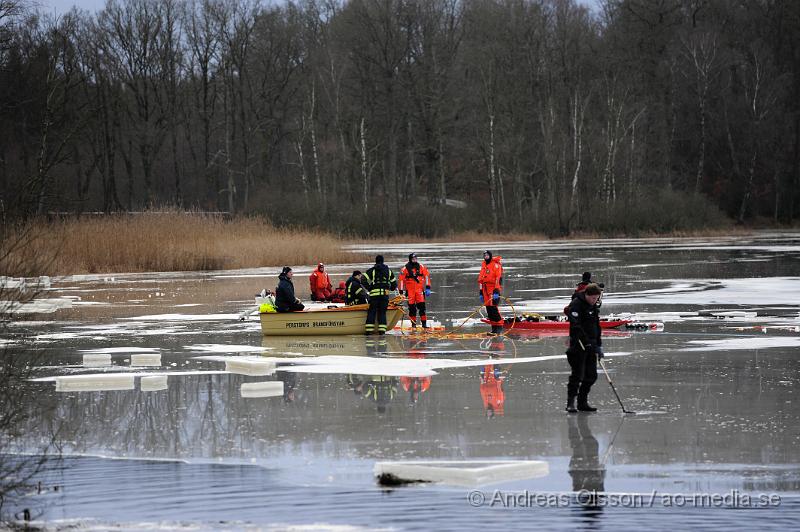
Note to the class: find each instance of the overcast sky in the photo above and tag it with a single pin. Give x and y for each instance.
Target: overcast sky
(62, 6)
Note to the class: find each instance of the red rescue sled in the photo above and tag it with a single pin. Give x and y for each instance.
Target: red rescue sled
(545, 325)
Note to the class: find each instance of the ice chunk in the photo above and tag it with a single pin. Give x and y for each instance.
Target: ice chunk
(94, 360)
(96, 382)
(249, 366)
(459, 473)
(262, 389)
(146, 359)
(153, 383)
(122, 350)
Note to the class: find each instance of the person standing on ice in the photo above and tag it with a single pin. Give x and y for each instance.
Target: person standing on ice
(585, 347)
(380, 281)
(321, 287)
(490, 284)
(415, 280)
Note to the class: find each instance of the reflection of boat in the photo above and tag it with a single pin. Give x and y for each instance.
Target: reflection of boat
(353, 345)
(336, 321)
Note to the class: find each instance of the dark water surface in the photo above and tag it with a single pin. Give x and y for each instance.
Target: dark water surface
(717, 390)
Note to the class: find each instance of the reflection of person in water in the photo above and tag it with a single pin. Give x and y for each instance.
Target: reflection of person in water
(378, 388)
(376, 347)
(588, 472)
(493, 379)
(415, 386)
(492, 393)
(381, 389)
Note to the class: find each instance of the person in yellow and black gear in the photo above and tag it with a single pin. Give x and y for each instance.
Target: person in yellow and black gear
(354, 291)
(380, 281)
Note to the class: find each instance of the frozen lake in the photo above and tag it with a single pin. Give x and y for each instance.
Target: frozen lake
(176, 445)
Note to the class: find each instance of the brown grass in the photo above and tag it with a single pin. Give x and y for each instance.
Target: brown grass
(176, 241)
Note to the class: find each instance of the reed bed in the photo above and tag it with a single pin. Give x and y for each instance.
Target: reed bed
(172, 241)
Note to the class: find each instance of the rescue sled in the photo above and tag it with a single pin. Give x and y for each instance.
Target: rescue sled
(333, 320)
(554, 324)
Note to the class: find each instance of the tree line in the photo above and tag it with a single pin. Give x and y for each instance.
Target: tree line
(390, 116)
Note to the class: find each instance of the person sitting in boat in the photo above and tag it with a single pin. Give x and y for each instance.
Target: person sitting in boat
(285, 300)
(321, 287)
(338, 294)
(354, 292)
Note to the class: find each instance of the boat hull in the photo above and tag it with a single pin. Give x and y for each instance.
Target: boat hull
(337, 321)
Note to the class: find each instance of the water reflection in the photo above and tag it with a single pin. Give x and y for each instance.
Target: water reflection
(416, 386)
(587, 470)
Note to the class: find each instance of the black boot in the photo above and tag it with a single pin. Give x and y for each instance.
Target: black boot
(583, 404)
(571, 405)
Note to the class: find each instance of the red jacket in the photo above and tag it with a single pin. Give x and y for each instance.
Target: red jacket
(319, 281)
(492, 273)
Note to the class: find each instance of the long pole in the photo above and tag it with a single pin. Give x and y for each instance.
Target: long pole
(613, 388)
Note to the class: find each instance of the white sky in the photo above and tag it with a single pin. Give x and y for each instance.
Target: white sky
(62, 6)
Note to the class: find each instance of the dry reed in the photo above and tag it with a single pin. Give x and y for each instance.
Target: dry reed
(176, 241)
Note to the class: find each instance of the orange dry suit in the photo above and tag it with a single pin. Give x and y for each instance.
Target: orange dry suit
(321, 288)
(490, 280)
(338, 295)
(415, 280)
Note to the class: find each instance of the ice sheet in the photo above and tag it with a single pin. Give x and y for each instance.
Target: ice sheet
(740, 343)
(226, 348)
(389, 367)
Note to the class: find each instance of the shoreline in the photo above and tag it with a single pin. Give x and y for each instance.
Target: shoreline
(187, 241)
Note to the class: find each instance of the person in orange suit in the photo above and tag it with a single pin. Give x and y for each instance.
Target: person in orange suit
(492, 393)
(490, 285)
(338, 294)
(415, 284)
(321, 288)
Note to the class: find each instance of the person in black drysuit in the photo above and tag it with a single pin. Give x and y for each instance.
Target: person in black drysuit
(354, 291)
(285, 300)
(380, 281)
(585, 347)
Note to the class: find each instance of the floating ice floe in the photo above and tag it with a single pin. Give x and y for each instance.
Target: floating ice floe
(40, 306)
(250, 366)
(359, 365)
(744, 343)
(146, 359)
(94, 360)
(226, 348)
(153, 383)
(121, 350)
(95, 382)
(466, 473)
(185, 317)
(261, 389)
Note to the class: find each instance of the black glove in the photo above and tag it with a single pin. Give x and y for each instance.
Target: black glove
(598, 350)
